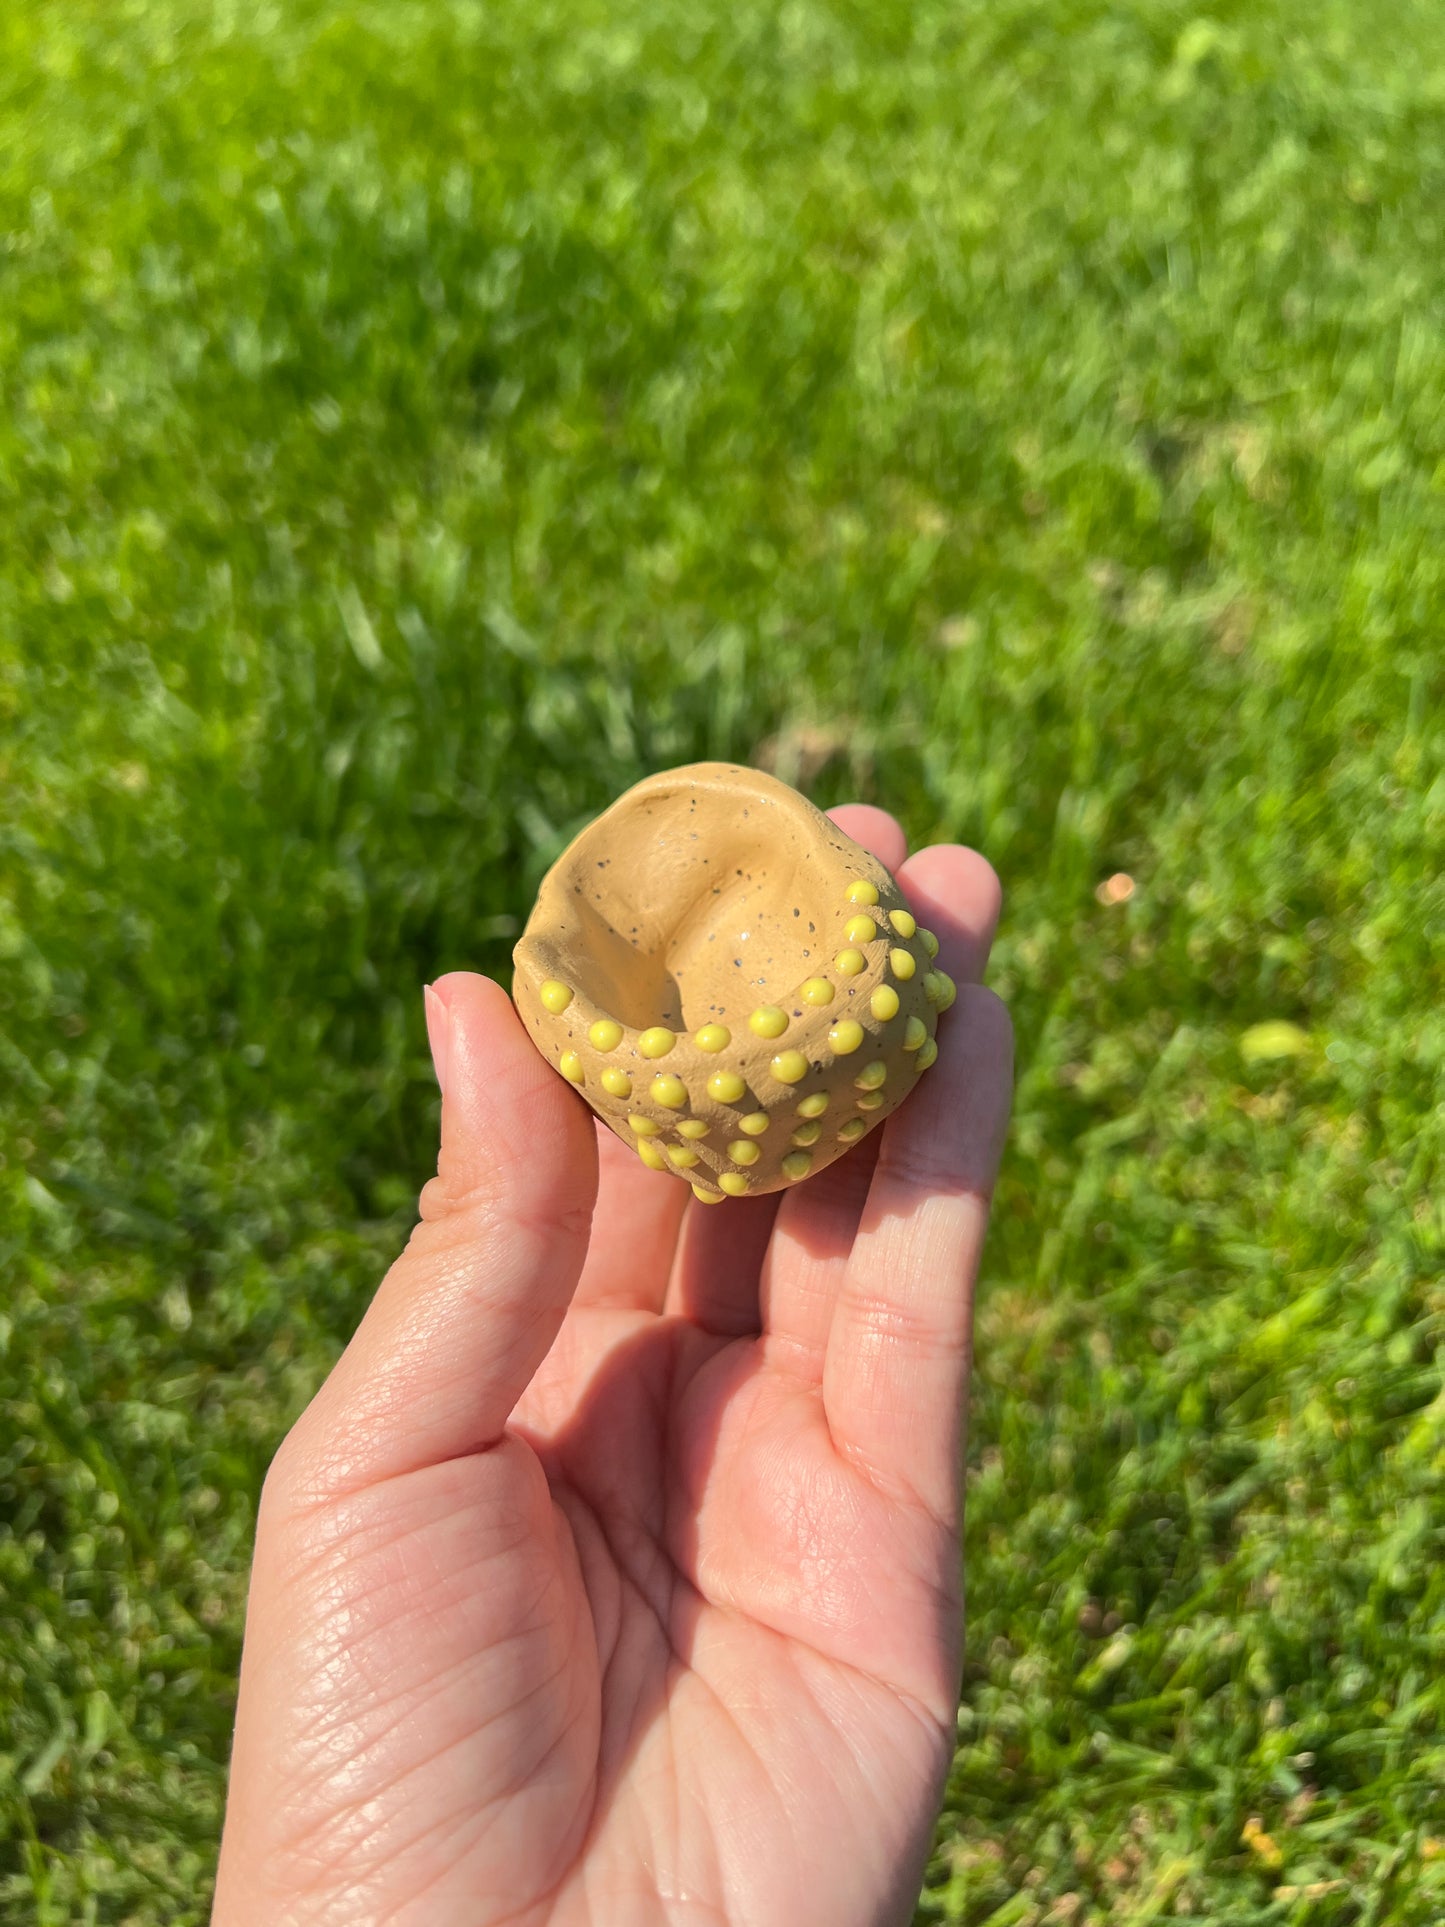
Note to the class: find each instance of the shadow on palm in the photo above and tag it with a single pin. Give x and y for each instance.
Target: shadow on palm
(690, 1451)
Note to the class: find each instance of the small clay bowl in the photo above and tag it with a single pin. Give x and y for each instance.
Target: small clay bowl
(736, 987)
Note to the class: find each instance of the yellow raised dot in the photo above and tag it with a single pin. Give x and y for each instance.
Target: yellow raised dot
(884, 1002)
(808, 1133)
(797, 1164)
(903, 921)
(617, 1082)
(853, 1129)
(845, 1036)
(555, 996)
(643, 1126)
(693, 1127)
(814, 1105)
(927, 1052)
(651, 1154)
(742, 1150)
(849, 962)
(726, 1086)
(947, 989)
(817, 990)
(682, 1155)
(768, 1021)
(929, 942)
(605, 1034)
(932, 987)
(860, 930)
(862, 891)
(871, 1076)
(755, 1123)
(790, 1066)
(903, 964)
(734, 1183)
(706, 1197)
(668, 1090)
(656, 1042)
(570, 1065)
(914, 1032)
(713, 1037)
(870, 1100)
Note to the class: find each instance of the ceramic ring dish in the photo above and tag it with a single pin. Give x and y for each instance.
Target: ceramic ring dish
(737, 988)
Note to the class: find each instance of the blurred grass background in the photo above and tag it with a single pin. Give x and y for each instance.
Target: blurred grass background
(420, 421)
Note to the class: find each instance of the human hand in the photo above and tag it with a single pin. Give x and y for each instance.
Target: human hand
(613, 1575)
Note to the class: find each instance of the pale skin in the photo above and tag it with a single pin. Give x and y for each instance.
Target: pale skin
(613, 1575)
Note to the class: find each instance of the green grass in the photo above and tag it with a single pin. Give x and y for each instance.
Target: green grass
(417, 422)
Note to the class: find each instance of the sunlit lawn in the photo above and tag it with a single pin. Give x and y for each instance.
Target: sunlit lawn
(419, 421)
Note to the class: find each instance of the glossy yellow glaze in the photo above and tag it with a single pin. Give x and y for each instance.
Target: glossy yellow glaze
(789, 1067)
(768, 1021)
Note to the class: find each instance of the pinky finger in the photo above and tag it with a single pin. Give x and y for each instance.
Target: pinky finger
(900, 1344)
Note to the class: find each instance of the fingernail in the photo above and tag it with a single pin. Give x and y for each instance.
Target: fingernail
(438, 1033)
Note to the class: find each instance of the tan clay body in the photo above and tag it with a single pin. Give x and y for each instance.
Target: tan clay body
(736, 987)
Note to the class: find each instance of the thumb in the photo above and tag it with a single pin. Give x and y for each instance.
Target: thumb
(470, 1309)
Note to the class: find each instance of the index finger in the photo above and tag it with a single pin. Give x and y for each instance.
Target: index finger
(634, 1229)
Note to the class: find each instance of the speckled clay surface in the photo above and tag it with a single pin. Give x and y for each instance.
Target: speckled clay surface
(736, 987)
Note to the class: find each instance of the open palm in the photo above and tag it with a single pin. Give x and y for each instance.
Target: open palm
(613, 1574)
